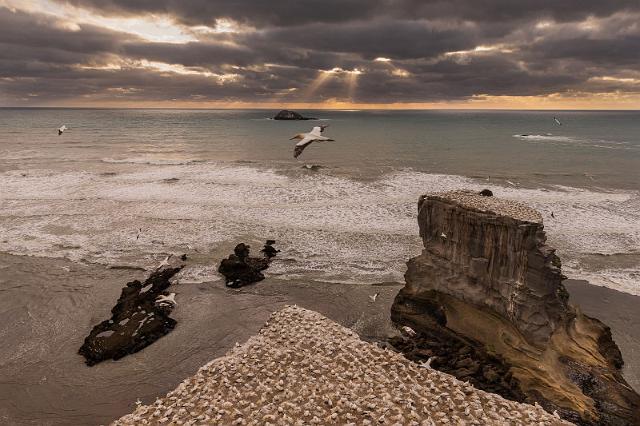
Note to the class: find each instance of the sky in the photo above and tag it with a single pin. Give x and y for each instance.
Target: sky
(540, 54)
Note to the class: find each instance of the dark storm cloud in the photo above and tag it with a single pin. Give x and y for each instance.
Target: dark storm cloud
(389, 38)
(438, 50)
(287, 13)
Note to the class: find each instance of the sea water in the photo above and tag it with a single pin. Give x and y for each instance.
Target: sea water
(125, 187)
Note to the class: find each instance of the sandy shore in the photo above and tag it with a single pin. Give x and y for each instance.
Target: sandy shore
(303, 368)
(621, 312)
(49, 305)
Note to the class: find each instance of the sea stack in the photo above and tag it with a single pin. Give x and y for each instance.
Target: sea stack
(495, 284)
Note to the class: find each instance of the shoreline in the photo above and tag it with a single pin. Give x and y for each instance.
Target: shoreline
(53, 386)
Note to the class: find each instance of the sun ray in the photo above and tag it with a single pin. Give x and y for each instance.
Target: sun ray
(322, 78)
(352, 82)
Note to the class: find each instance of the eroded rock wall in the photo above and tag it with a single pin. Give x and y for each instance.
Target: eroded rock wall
(487, 275)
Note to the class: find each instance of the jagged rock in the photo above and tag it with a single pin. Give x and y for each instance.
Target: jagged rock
(290, 115)
(240, 269)
(268, 250)
(494, 285)
(139, 318)
(486, 193)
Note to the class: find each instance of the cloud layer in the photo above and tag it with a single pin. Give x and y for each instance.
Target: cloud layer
(311, 51)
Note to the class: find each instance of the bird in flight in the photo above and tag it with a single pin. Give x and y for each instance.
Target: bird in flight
(557, 121)
(315, 135)
(61, 129)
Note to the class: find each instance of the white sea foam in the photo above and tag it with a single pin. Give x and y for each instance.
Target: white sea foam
(573, 140)
(329, 227)
(151, 160)
(545, 137)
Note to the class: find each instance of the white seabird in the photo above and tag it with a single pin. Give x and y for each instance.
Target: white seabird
(165, 262)
(373, 297)
(408, 331)
(315, 135)
(61, 129)
(169, 300)
(426, 364)
(557, 121)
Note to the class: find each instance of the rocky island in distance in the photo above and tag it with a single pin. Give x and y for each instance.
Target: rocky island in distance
(286, 114)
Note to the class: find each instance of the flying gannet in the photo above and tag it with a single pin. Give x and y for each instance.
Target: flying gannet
(557, 121)
(315, 135)
(165, 262)
(61, 129)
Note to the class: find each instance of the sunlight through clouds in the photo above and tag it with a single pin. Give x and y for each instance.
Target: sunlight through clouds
(152, 28)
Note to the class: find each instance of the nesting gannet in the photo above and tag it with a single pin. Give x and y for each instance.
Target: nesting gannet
(557, 121)
(315, 135)
(61, 129)
(166, 300)
(408, 331)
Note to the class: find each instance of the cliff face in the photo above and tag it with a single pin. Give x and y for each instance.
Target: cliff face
(487, 276)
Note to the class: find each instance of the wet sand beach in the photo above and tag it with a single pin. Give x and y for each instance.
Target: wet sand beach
(46, 312)
(49, 305)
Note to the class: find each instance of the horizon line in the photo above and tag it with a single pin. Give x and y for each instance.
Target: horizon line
(316, 108)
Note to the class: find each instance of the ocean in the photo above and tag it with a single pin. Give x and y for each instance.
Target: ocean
(122, 188)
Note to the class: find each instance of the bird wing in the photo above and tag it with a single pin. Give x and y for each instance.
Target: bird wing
(300, 146)
(317, 130)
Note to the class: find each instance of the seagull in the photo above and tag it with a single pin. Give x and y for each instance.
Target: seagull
(373, 297)
(315, 135)
(557, 121)
(61, 129)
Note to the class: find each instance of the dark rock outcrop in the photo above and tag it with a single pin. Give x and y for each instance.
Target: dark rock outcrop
(285, 114)
(240, 269)
(139, 318)
(487, 281)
